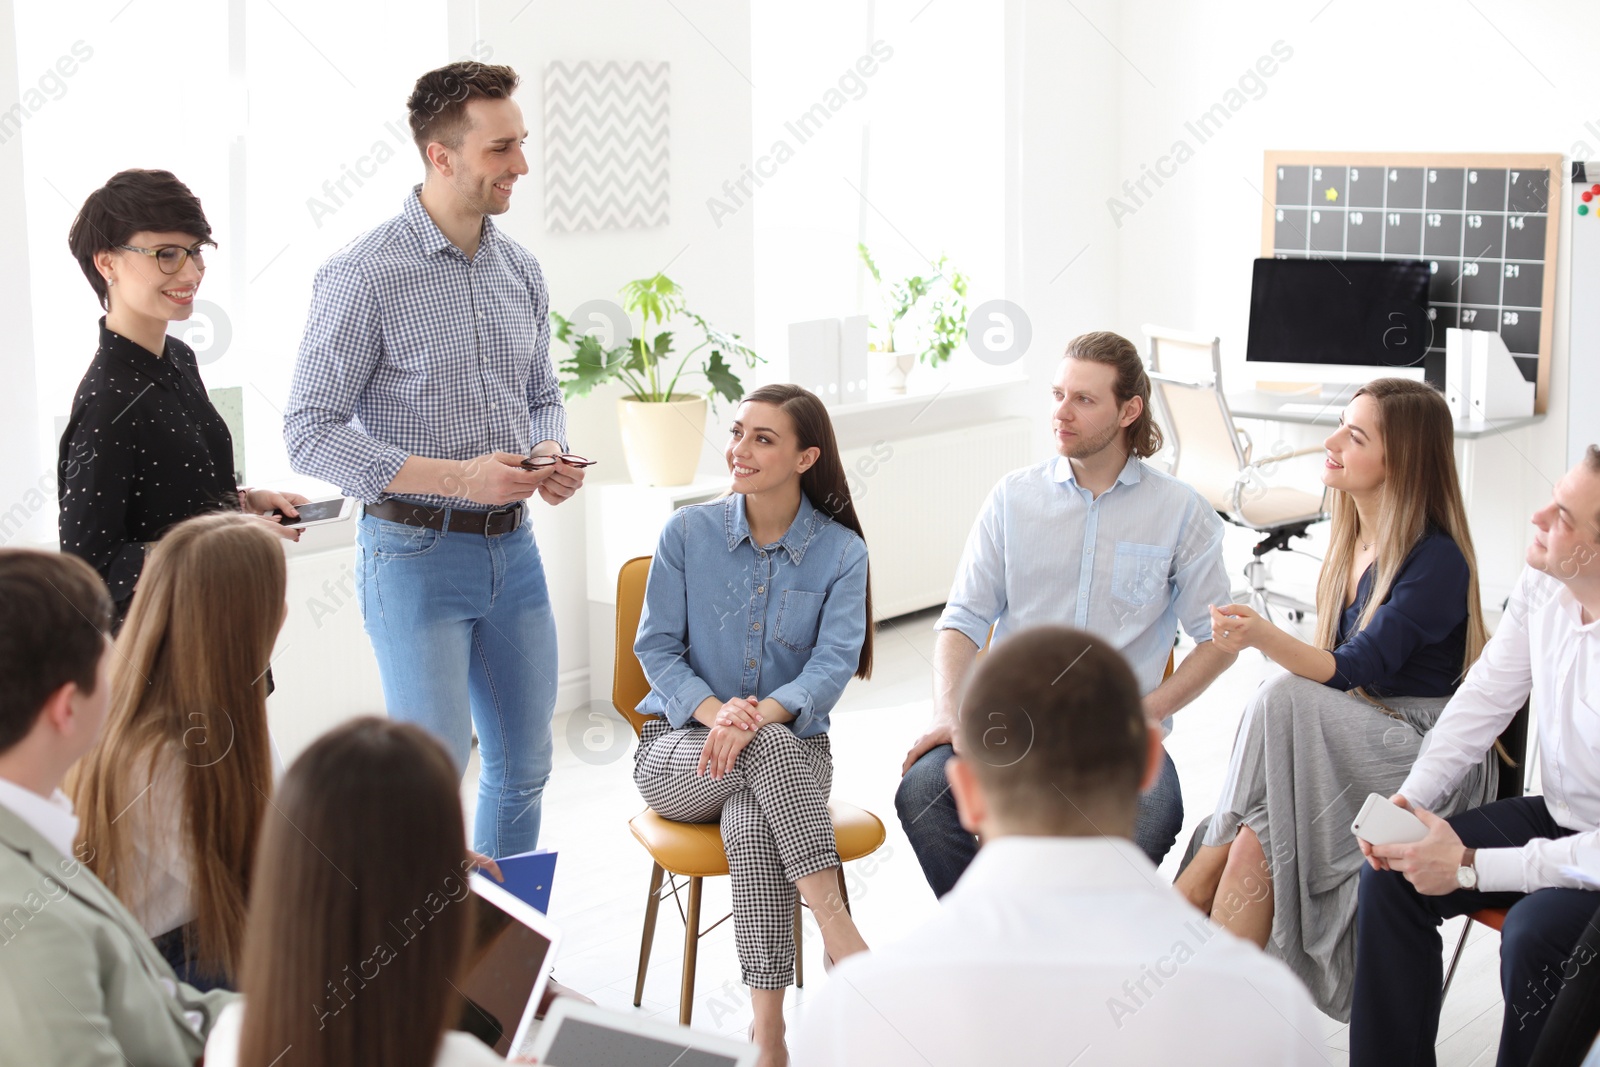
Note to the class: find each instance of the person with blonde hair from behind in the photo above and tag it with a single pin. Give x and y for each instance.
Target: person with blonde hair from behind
(1398, 624)
(171, 798)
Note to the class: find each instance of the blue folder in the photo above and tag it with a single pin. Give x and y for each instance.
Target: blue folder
(528, 876)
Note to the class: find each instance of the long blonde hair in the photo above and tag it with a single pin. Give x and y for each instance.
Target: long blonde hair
(1420, 489)
(189, 680)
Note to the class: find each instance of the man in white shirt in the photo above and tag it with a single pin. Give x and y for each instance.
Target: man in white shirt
(1524, 854)
(1061, 943)
(78, 976)
(1093, 538)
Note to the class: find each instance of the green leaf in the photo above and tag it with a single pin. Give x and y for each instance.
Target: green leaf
(589, 365)
(724, 382)
(728, 342)
(639, 357)
(872, 268)
(653, 299)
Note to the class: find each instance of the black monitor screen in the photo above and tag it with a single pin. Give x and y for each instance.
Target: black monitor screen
(1361, 312)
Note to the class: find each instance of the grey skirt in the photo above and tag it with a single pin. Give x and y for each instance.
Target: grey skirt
(1305, 758)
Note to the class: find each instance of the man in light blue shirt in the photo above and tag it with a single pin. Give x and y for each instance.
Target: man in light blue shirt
(1092, 538)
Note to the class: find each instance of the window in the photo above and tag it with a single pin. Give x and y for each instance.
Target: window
(881, 123)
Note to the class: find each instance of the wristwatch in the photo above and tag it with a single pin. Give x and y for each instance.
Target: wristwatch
(1467, 874)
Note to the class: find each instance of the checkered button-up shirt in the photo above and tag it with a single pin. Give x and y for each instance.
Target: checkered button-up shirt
(411, 348)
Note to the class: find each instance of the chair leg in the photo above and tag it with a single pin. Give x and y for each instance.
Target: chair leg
(844, 894)
(1456, 958)
(691, 946)
(799, 948)
(650, 908)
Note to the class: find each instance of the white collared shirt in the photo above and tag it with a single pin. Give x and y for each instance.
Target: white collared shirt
(1544, 647)
(1062, 950)
(51, 816)
(1131, 565)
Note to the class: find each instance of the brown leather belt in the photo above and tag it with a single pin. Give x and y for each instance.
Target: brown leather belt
(489, 523)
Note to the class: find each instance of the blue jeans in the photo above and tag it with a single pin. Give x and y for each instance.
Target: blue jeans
(464, 635)
(927, 810)
(1399, 965)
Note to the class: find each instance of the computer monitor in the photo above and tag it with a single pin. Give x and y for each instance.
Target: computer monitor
(1341, 320)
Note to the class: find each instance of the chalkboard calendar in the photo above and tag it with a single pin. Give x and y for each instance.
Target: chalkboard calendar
(1485, 224)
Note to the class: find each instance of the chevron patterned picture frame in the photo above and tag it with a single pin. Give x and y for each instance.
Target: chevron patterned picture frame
(606, 143)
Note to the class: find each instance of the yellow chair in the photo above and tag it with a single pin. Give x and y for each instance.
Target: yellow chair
(694, 850)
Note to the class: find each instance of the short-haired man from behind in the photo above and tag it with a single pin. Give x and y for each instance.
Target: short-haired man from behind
(76, 969)
(1061, 943)
(1524, 854)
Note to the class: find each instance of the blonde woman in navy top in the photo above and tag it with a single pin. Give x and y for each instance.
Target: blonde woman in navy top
(756, 614)
(1398, 624)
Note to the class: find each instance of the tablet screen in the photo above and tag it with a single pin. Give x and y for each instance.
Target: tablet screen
(581, 1043)
(316, 511)
(503, 968)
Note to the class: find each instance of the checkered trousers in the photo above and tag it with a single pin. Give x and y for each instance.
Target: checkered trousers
(773, 808)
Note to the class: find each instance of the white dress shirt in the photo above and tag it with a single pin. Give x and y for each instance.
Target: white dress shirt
(456, 1049)
(160, 887)
(1130, 565)
(1067, 951)
(51, 816)
(1542, 646)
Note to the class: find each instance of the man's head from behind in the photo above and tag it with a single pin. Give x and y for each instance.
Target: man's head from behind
(1052, 740)
(470, 132)
(54, 657)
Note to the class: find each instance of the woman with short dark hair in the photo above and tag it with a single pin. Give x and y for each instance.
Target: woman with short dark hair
(144, 448)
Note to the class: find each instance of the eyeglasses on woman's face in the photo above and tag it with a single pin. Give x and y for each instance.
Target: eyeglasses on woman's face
(171, 258)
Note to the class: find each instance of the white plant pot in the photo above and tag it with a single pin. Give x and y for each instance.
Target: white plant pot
(888, 371)
(662, 441)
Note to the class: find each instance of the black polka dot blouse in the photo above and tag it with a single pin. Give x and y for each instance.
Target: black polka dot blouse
(143, 449)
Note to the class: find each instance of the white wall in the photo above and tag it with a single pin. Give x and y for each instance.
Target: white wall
(708, 44)
(27, 481)
(1062, 144)
(1364, 75)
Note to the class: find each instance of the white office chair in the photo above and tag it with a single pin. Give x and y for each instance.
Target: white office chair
(1213, 455)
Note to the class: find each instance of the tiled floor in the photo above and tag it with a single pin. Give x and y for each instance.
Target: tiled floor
(603, 873)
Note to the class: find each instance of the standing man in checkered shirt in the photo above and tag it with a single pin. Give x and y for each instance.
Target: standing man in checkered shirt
(423, 382)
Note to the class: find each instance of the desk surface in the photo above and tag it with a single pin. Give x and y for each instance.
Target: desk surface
(1312, 410)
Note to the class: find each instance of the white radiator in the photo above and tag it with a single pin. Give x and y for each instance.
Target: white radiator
(917, 498)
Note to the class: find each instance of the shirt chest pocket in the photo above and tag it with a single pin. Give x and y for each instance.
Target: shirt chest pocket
(799, 614)
(1139, 573)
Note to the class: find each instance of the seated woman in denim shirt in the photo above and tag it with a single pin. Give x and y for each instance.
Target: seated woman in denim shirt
(756, 614)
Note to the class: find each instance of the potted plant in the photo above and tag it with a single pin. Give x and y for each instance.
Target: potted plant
(933, 333)
(663, 420)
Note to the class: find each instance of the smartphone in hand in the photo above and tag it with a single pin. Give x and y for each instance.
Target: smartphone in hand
(1382, 822)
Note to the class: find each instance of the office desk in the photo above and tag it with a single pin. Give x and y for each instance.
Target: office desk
(1297, 408)
(1311, 410)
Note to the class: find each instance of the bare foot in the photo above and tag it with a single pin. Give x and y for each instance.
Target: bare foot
(774, 1052)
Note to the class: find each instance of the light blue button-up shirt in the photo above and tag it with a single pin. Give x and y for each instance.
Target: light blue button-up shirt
(411, 348)
(726, 617)
(1130, 566)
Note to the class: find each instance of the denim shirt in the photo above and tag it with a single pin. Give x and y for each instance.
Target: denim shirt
(784, 620)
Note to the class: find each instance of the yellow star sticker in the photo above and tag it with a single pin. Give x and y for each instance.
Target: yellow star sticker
(1332, 193)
